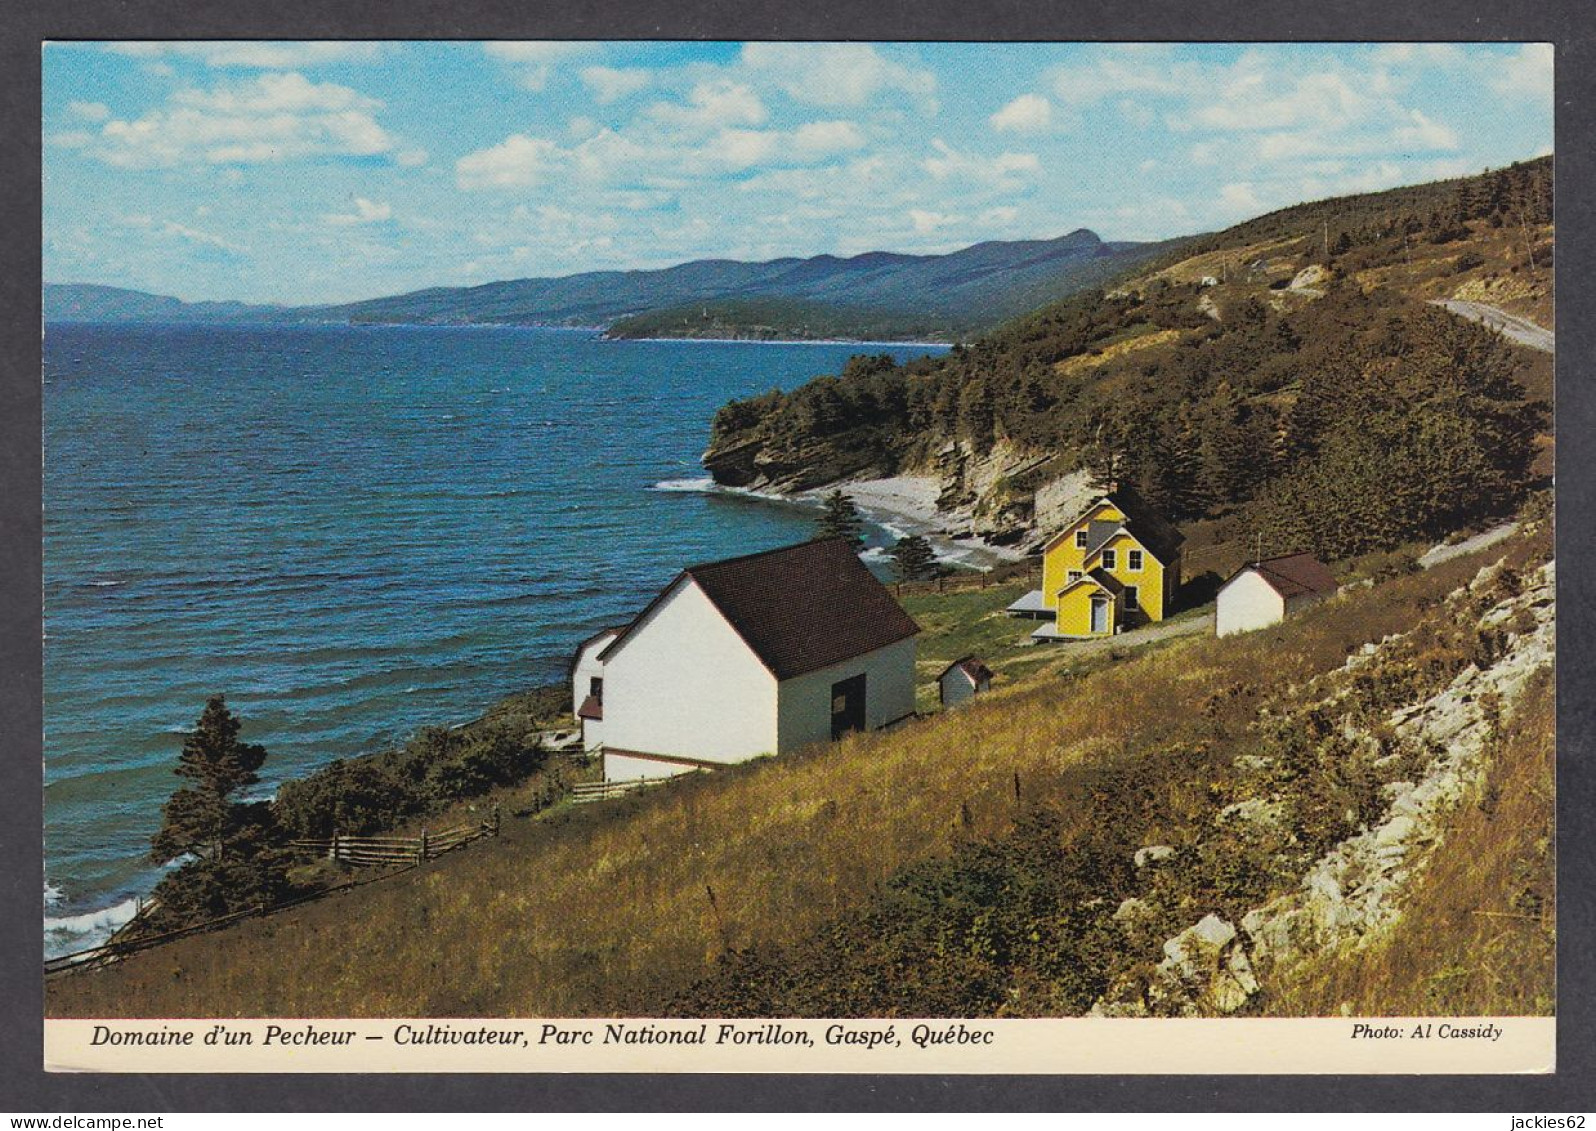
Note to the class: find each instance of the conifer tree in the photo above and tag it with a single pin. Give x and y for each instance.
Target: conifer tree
(841, 519)
(235, 849)
(913, 558)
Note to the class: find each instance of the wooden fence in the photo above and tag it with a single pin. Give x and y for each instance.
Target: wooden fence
(399, 854)
(604, 790)
(979, 579)
(380, 851)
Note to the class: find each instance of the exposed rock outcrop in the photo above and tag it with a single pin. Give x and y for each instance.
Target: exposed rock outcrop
(1440, 746)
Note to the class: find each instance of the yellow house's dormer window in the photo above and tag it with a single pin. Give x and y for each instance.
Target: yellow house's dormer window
(1133, 560)
(1110, 559)
(1080, 539)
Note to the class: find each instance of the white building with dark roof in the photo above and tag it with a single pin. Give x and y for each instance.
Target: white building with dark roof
(963, 679)
(1266, 592)
(754, 655)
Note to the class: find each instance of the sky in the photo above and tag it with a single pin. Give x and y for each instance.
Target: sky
(330, 171)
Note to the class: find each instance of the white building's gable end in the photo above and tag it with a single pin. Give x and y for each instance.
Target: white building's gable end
(683, 685)
(1266, 592)
(754, 655)
(1247, 602)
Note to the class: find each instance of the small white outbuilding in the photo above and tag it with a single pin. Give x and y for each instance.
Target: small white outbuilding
(963, 679)
(1266, 592)
(754, 655)
(587, 686)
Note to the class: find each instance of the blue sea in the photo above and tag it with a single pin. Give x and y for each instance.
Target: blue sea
(351, 532)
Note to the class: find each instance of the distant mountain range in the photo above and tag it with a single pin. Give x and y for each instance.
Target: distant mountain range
(877, 294)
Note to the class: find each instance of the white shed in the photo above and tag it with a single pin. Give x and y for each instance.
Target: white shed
(963, 679)
(754, 655)
(587, 686)
(1266, 592)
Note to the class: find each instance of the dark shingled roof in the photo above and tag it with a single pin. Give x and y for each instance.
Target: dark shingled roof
(1150, 528)
(1292, 575)
(800, 608)
(971, 666)
(1102, 577)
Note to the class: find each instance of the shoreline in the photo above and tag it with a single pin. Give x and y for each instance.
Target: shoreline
(790, 341)
(907, 504)
(899, 504)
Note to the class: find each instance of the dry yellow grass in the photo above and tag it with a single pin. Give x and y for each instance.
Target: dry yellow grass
(1219, 264)
(591, 911)
(1082, 362)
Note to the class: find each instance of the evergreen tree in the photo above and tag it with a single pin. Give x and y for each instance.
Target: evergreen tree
(913, 558)
(237, 857)
(841, 519)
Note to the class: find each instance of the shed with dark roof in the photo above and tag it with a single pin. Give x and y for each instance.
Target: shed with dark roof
(962, 680)
(1265, 592)
(753, 655)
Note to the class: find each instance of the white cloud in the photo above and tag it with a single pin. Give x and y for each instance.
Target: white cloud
(1126, 69)
(834, 74)
(533, 61)
(1258, 100)
(740, 149)
(89, 111)
(255, 53)
(273, 118)
(366, 212)
(712, 105)
(610, 84)
(926, 221)
(173, 230)
(1240, 196)
(1528, 72)
(828, 137)
(1005, 167)
(517, 161)
(1028, 113)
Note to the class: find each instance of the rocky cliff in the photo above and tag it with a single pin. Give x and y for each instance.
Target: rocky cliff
(1422, 757)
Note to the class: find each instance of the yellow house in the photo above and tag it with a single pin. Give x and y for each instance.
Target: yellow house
(1116, 566)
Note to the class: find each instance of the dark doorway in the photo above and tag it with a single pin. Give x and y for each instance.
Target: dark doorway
(847, 706)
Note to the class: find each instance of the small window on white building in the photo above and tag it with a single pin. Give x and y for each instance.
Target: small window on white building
(595, 688)
(1110, 559)
(1133, 560)
(1131, 598)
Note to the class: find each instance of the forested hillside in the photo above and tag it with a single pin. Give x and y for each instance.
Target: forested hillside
(1289, 367)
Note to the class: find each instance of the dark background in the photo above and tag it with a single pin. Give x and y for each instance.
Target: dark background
(26, 1088)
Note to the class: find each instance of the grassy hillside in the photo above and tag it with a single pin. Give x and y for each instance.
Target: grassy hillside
(919, 849)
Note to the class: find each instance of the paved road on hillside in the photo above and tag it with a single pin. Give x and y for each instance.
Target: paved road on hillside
(1520, 330)
(1435, 555)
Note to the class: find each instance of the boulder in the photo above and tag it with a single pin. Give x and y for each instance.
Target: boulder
(1152, 854)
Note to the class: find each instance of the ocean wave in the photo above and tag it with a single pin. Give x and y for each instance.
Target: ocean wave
(70, 933)
(695, 485)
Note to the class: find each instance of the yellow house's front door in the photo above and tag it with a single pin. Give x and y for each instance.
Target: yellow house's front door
(1099, 615)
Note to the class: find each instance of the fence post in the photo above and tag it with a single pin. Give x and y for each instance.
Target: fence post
(495, 818)
(332, 847)
(421, 855)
